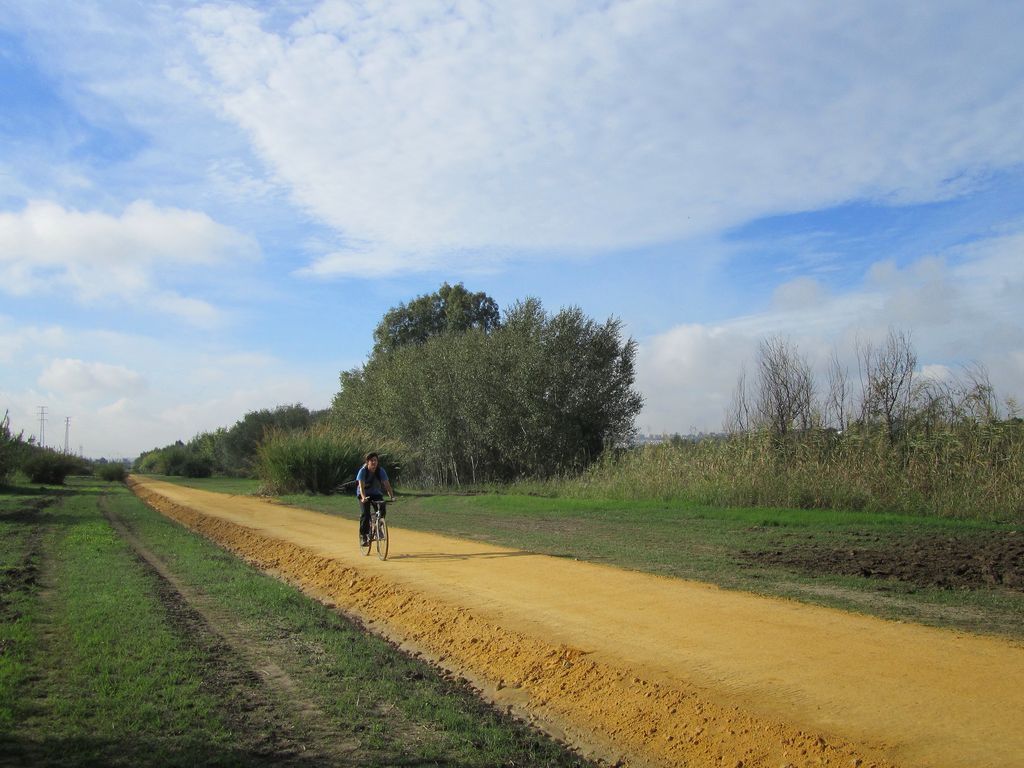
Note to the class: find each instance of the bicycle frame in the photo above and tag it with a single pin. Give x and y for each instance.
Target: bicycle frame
(378, 531)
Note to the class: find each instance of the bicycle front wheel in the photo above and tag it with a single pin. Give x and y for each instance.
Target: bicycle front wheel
(382, 539)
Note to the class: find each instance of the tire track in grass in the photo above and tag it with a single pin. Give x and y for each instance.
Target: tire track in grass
(109, 682)
(266, 706)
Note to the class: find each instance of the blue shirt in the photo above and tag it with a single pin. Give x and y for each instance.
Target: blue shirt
(371, 485)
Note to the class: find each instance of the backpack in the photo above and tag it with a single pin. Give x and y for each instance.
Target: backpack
(354, 483)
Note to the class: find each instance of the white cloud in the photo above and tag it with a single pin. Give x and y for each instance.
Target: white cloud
(419, 128)
(355, 263)
(79, 378)
(688, 375)
(938, 372)
(18, 340)
(960, 309)
(100, 257)
(801, 292)
(195, 311)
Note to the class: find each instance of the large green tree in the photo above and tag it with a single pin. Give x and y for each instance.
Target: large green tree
(451, 309)
(538, 395)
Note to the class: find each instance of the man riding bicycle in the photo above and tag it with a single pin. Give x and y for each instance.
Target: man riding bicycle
(371, 482)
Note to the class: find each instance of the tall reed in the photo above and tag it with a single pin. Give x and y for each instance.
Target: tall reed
(966, 471)
(317, 459)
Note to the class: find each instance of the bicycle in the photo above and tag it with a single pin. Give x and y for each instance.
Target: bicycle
(378, 531)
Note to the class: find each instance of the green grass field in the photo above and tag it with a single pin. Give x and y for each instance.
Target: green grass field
(107, 660)
(738, 548)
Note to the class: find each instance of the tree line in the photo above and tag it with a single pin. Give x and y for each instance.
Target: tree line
(456, 390)
(231, 451)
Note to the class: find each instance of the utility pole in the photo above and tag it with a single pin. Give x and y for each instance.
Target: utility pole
(42, 426)
(67, 431)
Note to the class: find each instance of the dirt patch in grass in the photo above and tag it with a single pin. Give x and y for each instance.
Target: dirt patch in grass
(974, 561)
(23, 575)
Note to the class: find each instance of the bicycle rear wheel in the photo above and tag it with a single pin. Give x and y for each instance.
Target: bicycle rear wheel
(382, 539)
(365, 548)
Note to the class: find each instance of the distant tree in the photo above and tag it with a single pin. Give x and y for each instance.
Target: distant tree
(837, 400)
(782, 397)
(785, 397)
(738, 416)
(230, 451)
(239, 445)
(887, 381)
(452, 309)
(208, 448)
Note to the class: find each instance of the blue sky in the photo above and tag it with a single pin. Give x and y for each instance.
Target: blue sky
(205, 208)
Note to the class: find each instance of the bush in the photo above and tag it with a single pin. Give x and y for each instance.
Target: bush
(318, 459)
(112, 473)
(197, 466)
(49, 467)
(177, 459)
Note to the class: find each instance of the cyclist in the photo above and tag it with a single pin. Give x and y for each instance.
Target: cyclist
(371, 482)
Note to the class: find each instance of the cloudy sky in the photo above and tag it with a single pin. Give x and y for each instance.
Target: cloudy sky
(205, 208)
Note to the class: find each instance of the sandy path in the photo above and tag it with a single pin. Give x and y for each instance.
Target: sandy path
(649, 669)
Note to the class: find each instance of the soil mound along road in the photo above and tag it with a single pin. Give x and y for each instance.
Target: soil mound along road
(643, 669)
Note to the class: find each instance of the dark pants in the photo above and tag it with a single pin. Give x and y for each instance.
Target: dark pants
(364, 513)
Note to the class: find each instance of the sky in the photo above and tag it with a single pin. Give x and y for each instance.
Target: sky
(205, 208)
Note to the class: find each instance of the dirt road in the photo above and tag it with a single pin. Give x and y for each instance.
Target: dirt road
(646, 669)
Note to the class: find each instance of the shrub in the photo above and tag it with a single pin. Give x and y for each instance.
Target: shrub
(112, 473)
(49, 467)
(318, 459)
(176, 459)
(197, 466)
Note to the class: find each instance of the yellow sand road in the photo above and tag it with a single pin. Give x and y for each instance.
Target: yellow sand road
(653, 670)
